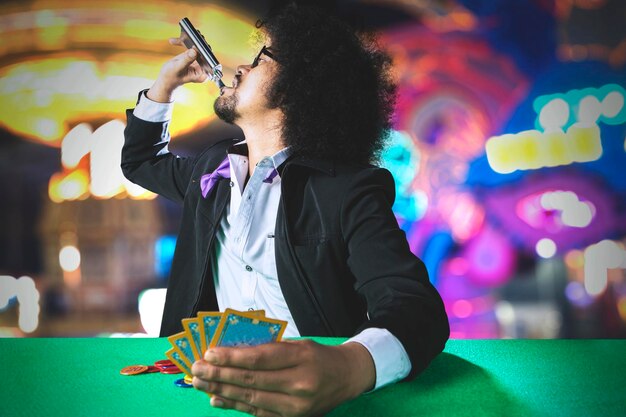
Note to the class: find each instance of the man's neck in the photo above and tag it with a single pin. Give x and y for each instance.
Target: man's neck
(263, 137)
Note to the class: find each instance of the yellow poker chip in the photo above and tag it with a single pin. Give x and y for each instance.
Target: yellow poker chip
(134, 370)
(188, 379)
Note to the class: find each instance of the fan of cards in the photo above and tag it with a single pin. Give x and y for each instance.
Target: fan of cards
(231, 328)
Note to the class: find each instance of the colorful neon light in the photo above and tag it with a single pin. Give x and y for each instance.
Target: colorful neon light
(532, 149)
(569, 134)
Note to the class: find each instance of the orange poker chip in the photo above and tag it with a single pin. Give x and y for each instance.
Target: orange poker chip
(134, 370)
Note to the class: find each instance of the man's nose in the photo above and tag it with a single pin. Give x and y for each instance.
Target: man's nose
(242, 69)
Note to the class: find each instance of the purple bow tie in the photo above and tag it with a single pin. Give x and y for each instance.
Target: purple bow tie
(207, 181)
(270, 177)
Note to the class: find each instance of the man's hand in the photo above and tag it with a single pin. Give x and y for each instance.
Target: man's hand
(289, 378)
(177, 71)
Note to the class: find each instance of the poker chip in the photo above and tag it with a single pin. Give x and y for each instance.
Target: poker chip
(171, 370)
(181, 383)
(163, 366)
(188, 379)
(134, 370)
(164, 363)
(152, 369)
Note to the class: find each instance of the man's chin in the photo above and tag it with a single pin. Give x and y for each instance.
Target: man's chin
(227, 119)
(225, 109)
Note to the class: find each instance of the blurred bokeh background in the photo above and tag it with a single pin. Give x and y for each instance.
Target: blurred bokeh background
(509, 154)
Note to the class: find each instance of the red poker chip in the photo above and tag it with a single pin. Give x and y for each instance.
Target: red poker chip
(152, 369)
(171, 370)
(164, 363)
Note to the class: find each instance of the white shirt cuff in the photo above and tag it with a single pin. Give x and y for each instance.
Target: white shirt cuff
(153, 111)
(391, 361)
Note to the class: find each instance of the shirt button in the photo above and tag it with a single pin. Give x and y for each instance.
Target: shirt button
(248, 268)
(232, 184)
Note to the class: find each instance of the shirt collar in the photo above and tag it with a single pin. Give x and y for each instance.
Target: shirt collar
(241, 148)
(323, 165)
(281, 156)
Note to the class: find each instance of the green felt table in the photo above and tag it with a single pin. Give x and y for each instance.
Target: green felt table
(80, 377)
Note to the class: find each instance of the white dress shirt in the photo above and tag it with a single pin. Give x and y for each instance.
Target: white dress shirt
(244, 263)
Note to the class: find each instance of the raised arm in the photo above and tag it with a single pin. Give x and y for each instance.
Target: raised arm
(146, 159)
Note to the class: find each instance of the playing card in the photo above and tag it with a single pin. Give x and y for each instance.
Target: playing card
(180, 342)
(192, 328)
(176, 358)
(238, 328)
(208, 323)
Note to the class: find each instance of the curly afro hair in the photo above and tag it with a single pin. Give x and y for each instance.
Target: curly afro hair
(333, 85)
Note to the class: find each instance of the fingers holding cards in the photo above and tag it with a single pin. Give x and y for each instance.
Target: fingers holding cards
(229, 329)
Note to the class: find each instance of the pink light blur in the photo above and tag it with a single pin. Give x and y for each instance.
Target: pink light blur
(462, 309)
(491, 258)
(462, 214)
(530, 210)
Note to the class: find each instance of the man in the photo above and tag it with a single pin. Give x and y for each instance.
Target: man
(294, 220)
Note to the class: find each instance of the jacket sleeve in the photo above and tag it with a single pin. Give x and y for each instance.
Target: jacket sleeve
(391, 279)
(147, 161)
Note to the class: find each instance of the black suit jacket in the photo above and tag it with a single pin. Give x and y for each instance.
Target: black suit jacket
(343, 263)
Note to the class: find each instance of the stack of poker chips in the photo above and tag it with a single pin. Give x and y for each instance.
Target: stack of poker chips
(164, 366)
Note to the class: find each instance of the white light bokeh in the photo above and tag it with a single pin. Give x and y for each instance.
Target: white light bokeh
(75, 145)
(604, 255)
(69, 258)
(589, 110)
(554, 115)
(574, 212)
(106, 174)
(27, 295)
(151, 303)
(612, 104)
(579, 215)
(546, 248)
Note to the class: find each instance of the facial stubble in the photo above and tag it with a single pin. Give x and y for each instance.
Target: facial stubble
(225, 108)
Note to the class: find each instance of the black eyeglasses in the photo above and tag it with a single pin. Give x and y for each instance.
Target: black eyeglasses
(263, 51)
